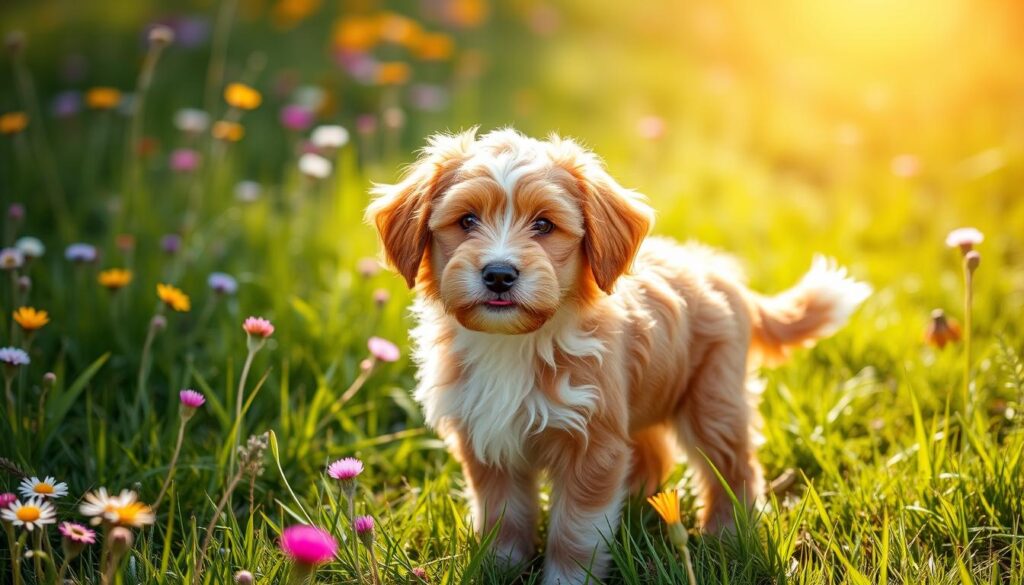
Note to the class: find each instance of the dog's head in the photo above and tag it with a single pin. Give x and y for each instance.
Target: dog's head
(504, 229)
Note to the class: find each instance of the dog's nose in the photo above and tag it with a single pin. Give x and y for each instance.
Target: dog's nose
(499, 276)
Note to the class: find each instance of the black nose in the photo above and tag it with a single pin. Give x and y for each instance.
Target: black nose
(499, 277)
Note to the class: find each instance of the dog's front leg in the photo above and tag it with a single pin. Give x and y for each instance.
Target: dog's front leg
(587, 492)
(507, 494)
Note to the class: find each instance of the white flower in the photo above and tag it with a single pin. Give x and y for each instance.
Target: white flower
(248, 191)
(329, 137)
(191, 120)
(34, 512)
(47, 488)
(11, 258)
(103, 506)
(315, 166)
(30, 247)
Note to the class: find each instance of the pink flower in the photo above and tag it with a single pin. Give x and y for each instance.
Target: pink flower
(368, 267)
(964, 238)
(308, 545)
(420, 573)
(184, 160)
(381, 297)
(363, 525)
(7, 498)
(77, 533)
(258, 326)
(383, 349)
(345, 469)
(191, 398)
(297, 118)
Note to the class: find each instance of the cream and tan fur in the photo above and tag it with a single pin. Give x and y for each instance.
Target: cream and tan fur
(610, 348)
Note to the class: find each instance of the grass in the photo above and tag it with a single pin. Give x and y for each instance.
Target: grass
(890, 479)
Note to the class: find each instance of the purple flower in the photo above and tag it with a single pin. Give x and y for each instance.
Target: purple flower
(184, 160)
(363, 525)
(7, 498)
(345, 469)
(81, 253)
(383, 349)
(170, 243)
(428, 97)
(14, 357)
(66, 104)
(366, 124)
(16, 212)
(296, 118)
(222, 284)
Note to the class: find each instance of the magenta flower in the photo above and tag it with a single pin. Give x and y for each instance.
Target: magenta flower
(345, 469)
(964, 238)
(77, 533)
(258, 327)
(191, 398)
(363, 525)
(383, 349)
(308, 545)
(7, 498)
(296, 117)
(184, 160)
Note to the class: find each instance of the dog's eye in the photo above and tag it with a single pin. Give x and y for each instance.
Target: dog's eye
(543, 226)
(469, 221)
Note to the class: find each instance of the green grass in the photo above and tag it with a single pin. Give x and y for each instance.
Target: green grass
(892, 482)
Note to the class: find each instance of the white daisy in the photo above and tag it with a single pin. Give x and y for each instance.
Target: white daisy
(103, 506)
(45, 488)
(34, 512)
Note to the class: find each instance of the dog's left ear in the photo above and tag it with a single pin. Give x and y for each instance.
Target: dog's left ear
(615, 219)
(400, 212)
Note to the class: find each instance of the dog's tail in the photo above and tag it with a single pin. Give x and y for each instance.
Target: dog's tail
(815, 308)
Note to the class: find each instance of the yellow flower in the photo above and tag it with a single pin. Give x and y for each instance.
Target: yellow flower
(31, 319)
(434, 47)
(230, 131)
(13, 122)
(173, 297)
(241, 96)
(115, 278)
(398, 29)
(666, 504)
(467, 13)
(355, 33)
(102, 98)
(393, 73)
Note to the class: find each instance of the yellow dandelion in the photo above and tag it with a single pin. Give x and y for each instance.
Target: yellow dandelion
(355, 33)
(30, 319)
(434, 47)
(241, 96)
(666, 504)
(228, 131)
(393, 73)
(115, 278)
(173, 297)
(13, 122)
(102, 98)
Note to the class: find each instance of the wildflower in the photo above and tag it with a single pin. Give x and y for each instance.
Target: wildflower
(314, 166)
(81, 253)
(428, 97)
(421, 574)
(247, 191)
(964, 238)
(30, 247)
(190, 402)
(308, 545)
(398, 29)
(394, 118)
(24, 283)
(355, 34)
(228, 131)
(7, 498)
(393, 73)
(466, 13)
(330, 137)
(125, 242)
(258, 327)
(77, 533)
(222, 284)
(31, 319)
(13, 122)
(134, 514)
(346, 469)
(191, 399)
(434, 47)
(170, 243)
(666, 504)
(368, 267)
(184, 160)
(244, 577)
(101, 506)
(191, 120)
(121, 540)
(102, 98)
(310, 97)
(241, 96)
(158, 323)
(297, 118)
(941, 330)
(366, 124)
(66, 104)
(381, 296)
(363, 526)
(114, 278)
(43, 488)
(11, 258)
(161, 35)
(173, 297)
(32, 513)
(13, 357)
(49, 379)
(383, 349)
(16, 212)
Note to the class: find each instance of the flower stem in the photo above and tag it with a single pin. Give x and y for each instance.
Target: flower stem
(147, 348)
(373, 564)
(240, 394)
(174, 463)
(351, 496)
(968, 302)
(15, 553)
(358, 382)
(11, 402)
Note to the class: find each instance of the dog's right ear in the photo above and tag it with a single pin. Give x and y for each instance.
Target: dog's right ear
(400, 212)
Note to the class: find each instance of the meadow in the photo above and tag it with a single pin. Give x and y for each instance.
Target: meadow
(183, 187)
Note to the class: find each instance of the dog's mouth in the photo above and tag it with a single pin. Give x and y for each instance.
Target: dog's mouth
(499, 304)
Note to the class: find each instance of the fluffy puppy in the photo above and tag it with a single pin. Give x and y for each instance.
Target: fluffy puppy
(555, 336)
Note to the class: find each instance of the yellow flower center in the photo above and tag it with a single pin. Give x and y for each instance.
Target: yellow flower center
(28, 513)
(43, 488)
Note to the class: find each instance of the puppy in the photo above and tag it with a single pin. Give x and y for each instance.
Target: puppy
(555, 336)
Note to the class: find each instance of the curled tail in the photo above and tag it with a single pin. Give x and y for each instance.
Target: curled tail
(815, 308)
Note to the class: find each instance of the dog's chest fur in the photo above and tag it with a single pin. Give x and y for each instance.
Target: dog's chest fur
(487, 384)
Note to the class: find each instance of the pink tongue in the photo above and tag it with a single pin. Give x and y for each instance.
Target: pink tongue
(499, 303)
